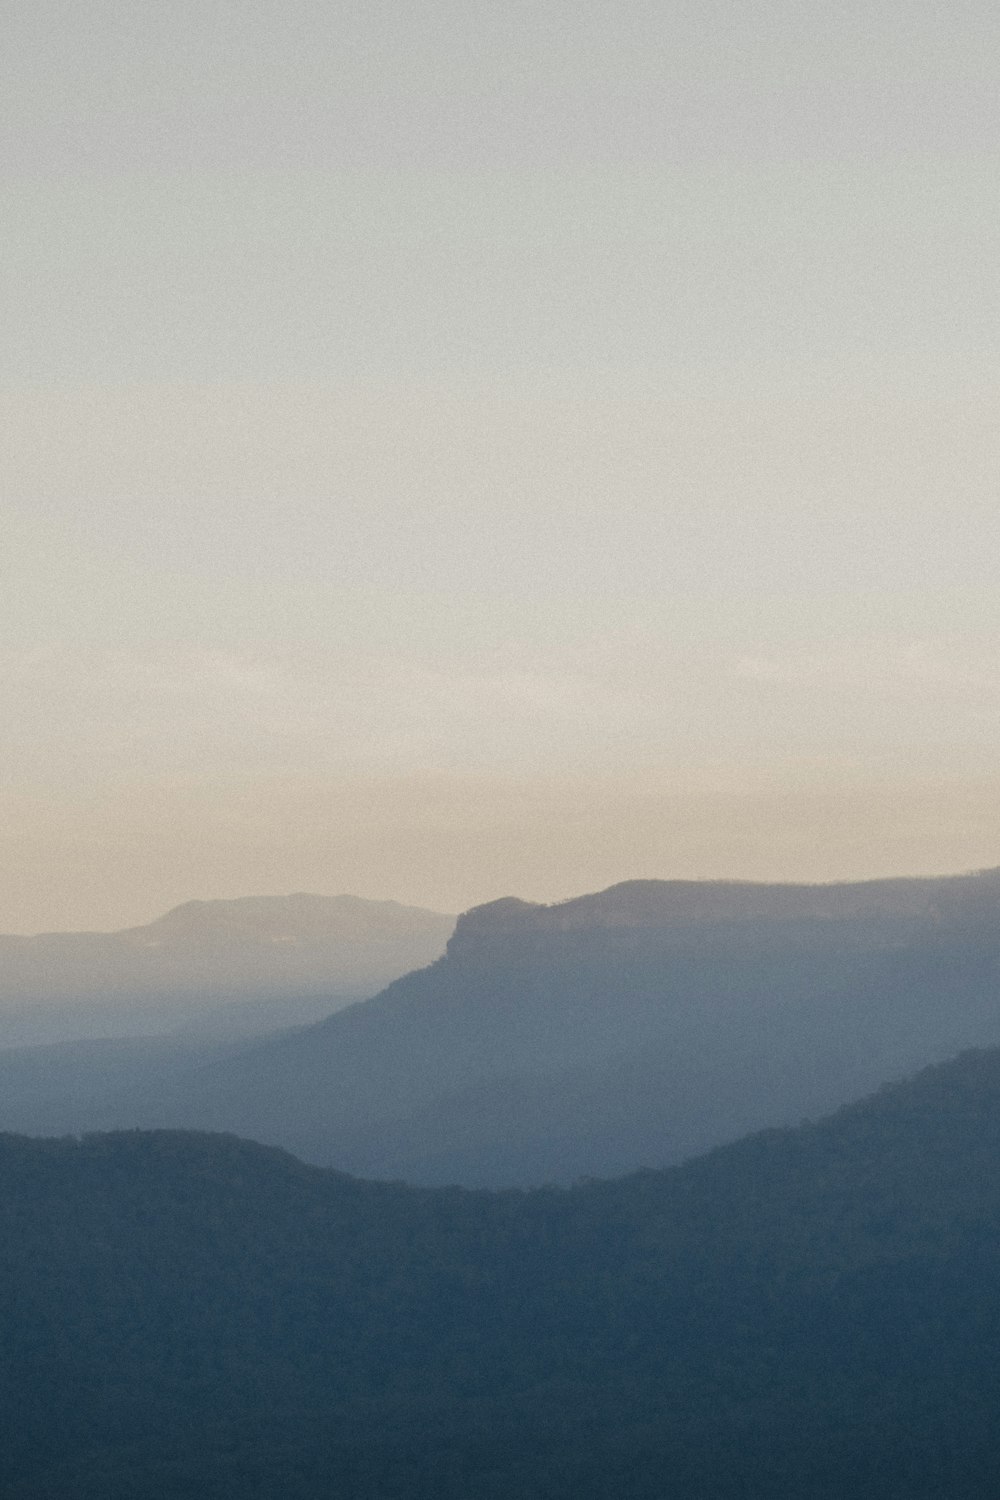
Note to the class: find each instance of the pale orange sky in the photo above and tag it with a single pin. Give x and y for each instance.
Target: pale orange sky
(126, 854)
(453, 450)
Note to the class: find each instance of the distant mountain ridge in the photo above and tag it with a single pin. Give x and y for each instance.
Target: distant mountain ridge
(692, 903)
(294, 918)
(635, 1027)
(263, 951)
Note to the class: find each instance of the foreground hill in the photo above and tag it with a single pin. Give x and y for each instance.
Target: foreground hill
(246, 965)
(809, 1313)
(631, 1028)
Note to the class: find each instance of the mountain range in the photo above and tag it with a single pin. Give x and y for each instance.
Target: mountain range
(634, 1027)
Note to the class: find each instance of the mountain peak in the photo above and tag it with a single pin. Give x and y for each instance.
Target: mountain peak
(301, 916)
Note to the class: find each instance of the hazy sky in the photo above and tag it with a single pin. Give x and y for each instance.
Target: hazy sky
(452, 449)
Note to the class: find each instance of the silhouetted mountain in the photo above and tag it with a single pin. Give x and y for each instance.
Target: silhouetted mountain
(809, 1314)
(224, 966)
(630, 1028)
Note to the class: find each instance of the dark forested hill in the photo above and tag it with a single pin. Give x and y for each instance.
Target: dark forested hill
(227, 966)
(805, 1314)
(634, 1027)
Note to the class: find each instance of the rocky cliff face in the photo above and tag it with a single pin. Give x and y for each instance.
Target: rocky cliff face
(689, 904)
(666, 912)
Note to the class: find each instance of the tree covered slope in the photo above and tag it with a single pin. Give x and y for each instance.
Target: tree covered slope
(807, 1313)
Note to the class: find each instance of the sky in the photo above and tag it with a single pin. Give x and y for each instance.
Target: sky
(454, 449)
